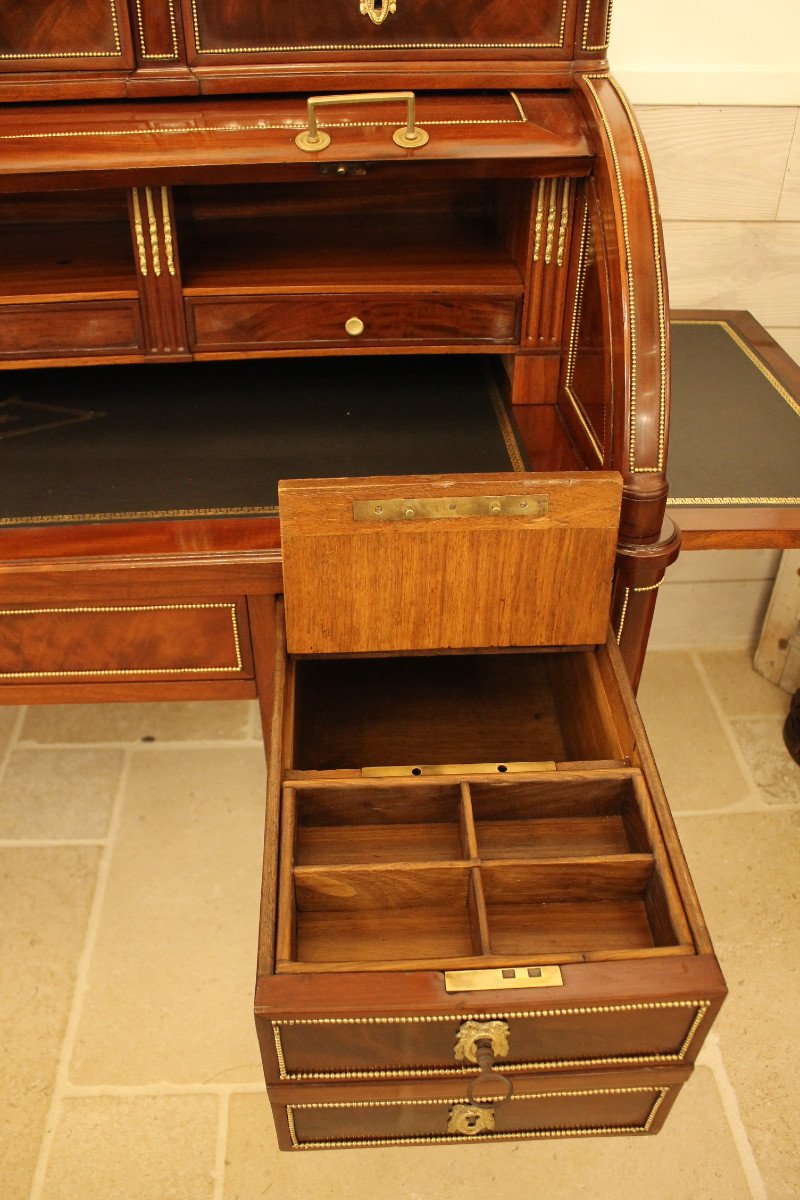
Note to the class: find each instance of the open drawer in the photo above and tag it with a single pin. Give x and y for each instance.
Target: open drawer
(470, 863)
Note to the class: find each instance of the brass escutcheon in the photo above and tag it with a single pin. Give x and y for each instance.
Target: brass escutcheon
(377, 10)
(468, 1120)
(472, 1032)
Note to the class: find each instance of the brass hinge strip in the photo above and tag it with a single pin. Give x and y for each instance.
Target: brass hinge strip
(448, 507)
(511, 768)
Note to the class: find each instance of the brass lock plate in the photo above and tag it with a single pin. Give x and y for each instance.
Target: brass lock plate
(500, 978)
(449, 507)
(469, 1120)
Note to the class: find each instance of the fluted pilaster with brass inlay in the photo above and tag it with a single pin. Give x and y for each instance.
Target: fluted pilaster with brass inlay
(551, 217)
(158, 271)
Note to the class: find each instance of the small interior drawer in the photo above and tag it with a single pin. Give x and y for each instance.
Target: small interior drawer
(254, 322)
(581, 1105)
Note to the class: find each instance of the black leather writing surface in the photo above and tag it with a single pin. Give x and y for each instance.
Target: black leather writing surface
(734, 429)
(185, 440)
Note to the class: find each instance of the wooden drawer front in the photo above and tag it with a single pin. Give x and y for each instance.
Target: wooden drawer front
(112, 641)
(562, 1106)
(252, 29)
(32, 330)
(655, 1033)
(261, 323)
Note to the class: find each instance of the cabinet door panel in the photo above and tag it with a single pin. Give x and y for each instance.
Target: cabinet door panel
(251, 27)
(79, 34)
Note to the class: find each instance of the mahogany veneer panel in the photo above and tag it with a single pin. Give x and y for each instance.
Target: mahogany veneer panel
(182, 638)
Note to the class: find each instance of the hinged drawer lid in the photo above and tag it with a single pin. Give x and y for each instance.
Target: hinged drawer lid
(448, 562)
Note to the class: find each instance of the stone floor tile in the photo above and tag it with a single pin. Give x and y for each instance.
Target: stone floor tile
(774, 770)
(134, 1148)
(198, 720)
(690, 745)
(169, 994)
(741, 691)
(59, 793)
(746, 868)
(45, 897)
(676, 1164)
(8, 719)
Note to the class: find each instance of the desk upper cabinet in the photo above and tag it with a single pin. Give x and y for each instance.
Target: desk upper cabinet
(95, 49)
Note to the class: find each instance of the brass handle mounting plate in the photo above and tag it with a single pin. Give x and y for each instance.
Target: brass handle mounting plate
(449, 507)
(408, 136)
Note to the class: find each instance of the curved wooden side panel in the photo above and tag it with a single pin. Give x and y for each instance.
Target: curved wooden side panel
(636, 411)
(639, 309)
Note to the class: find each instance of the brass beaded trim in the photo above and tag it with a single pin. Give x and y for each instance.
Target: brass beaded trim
(551, 223)
(153, 229)
(555, 1064)
(651, 587)
(585, 41)
(242, 127)
(562, 232)
(365, 49)
(139, 228)
(537, 230)
(115, 53)
(167, 224)
(173, 33)
(573, 342)
(127, 671)
(660, 287)
(631, 295)
(577, 1131)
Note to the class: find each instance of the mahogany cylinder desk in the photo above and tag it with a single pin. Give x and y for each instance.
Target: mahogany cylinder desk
(406, 257)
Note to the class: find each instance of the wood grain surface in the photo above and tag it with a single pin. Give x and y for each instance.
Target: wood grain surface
(371, 586)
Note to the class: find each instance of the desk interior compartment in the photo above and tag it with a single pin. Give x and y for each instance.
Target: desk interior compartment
(497, 708)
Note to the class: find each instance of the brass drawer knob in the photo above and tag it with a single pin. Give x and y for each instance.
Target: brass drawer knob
(469, 1120)
(354, 326)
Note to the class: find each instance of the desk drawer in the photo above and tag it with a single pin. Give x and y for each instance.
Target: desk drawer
(415, 1113)
(46, 330)
(137, 641)
(269, 323)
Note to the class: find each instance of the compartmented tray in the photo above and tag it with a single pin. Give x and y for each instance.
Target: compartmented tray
(462, 872)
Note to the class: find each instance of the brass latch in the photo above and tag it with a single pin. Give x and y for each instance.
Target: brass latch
(492, 979)
(447, 507)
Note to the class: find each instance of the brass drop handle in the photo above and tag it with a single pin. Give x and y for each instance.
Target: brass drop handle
(484, 1056)
(408, 136)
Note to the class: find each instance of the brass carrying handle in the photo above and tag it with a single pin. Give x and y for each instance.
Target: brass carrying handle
(409, 136)
(484, 1056)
